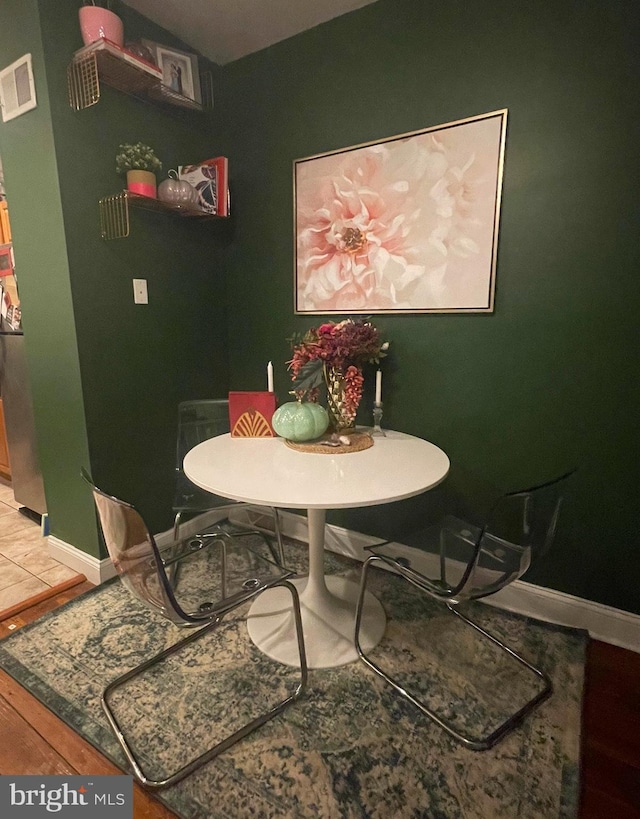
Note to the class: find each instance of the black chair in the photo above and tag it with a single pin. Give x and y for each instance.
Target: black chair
(198, 421)
(457, 561)
(218, 575)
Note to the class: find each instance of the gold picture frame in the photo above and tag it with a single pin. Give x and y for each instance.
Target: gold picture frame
(407, 224)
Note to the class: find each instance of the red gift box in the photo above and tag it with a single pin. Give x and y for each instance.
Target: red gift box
(250, 414)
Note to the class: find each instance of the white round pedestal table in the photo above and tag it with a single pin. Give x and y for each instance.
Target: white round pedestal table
(266, 472)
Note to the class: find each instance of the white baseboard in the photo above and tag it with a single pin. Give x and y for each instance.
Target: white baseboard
(98, 570)
(620, 628)
(95, 570)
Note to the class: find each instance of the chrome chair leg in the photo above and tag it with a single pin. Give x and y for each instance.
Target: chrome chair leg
(211, 753)
(176, 526)
(174, 569)
(515, 719)
(278, 533)
(473, 743)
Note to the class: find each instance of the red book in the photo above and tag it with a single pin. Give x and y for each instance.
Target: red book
(250, 414)
(211, 179)
(222, 202)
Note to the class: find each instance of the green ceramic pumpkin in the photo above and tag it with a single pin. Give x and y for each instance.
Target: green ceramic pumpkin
(300, 420)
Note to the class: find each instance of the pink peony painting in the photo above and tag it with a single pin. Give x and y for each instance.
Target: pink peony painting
(405, 225)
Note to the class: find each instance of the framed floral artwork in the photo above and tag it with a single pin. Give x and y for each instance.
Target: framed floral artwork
(408, 224)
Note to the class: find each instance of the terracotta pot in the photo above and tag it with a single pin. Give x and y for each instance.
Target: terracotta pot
(142, 182)
(97, 22)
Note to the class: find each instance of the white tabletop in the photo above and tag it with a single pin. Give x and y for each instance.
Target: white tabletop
(266, 471)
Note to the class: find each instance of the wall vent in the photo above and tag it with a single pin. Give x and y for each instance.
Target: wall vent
(17, 89)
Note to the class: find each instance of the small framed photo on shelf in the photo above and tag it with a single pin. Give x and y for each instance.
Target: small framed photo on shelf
(179, 70)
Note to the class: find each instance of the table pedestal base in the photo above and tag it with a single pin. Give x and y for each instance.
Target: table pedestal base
(328, 621)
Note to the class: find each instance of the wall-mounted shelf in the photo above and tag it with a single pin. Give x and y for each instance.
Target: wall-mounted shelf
(114, 212)
(129, 75)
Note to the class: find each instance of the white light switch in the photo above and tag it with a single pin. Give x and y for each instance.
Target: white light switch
(140, 291)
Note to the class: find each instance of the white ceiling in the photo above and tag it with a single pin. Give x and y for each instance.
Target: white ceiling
(223, 30)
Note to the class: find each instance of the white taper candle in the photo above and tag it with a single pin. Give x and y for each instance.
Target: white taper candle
(270, 377)
(378, 387)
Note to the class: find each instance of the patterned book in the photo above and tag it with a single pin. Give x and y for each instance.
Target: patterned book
(250, 414)
(204, 178)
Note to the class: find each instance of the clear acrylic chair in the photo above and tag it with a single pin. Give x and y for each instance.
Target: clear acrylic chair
(218, 575)
(457, 561)
(198, 421)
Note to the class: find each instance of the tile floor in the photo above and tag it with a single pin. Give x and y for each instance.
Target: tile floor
(25, 566)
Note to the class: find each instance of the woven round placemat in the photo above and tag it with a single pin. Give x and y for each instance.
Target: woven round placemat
(359, 441)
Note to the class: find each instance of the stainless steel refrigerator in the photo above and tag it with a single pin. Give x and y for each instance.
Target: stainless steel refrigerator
(26, 476)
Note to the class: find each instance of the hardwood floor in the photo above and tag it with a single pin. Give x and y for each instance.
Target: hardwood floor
(611, 731)
(33, 740)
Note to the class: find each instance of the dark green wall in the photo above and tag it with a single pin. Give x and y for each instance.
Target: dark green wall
(550, 379)
(27, 147)
(137, 362)
(106, 374)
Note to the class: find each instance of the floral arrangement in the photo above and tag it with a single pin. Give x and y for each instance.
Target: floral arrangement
(335, 352)
(137, 157)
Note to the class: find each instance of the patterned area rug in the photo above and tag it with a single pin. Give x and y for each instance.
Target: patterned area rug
(349, 749)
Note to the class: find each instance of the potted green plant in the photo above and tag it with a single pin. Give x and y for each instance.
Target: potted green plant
(97, 20)
(140, 164)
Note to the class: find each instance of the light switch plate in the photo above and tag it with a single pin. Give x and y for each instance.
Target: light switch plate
(140, 295)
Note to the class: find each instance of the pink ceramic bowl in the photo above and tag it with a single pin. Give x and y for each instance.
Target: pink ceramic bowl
(96, 22)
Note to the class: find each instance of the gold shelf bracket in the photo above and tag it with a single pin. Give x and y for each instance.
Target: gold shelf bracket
(114, 212)
(85, 72)
(114, 216)
(83, 82)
